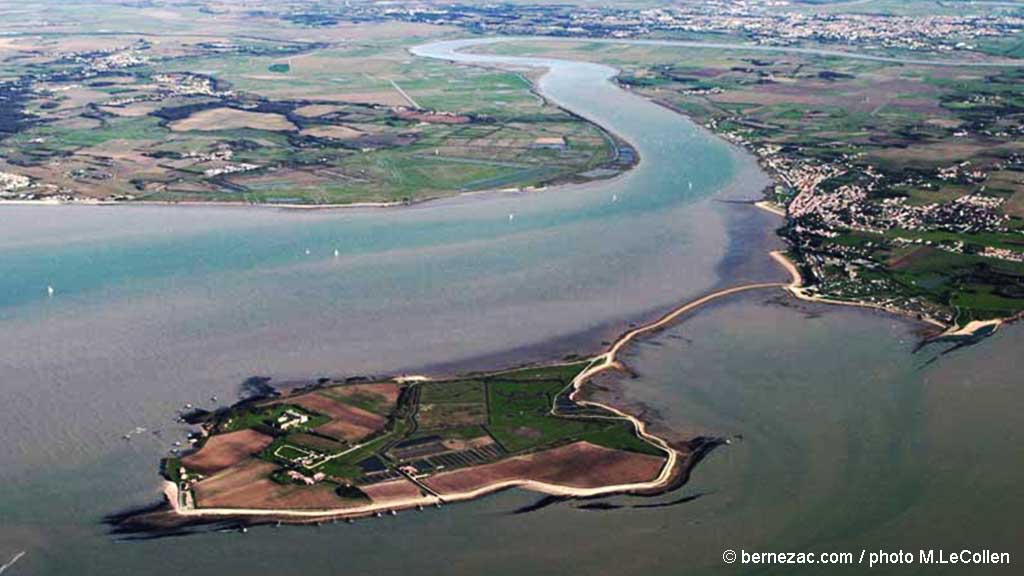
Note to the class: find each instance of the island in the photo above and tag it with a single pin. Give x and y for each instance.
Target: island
(334, 450)
(331, 450)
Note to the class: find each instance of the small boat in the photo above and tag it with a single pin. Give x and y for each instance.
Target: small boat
(690, 184)
(615, 197)
(50, 291)
(307, 252)
(336, 253)
(392, 512)
(511, 217)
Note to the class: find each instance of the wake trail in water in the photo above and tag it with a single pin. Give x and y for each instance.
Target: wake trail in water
(6, 566)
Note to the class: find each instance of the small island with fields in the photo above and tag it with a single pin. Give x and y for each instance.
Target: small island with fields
(354, 448)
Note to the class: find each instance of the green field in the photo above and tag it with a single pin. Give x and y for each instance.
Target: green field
(889, 129)
(370, 402)
(461, 391)
(510, 411)
(520, 406)
(333, 120)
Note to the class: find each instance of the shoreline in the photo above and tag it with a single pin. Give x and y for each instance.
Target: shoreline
(263, 205)
(797, 290)
(394, 205)
(671, 473)
(615, 139)
(972, 329)
(571, 180)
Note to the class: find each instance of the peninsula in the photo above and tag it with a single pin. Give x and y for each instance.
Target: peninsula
(343, 450)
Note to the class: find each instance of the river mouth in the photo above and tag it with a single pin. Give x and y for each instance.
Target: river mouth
(185, 309)
(672, 474)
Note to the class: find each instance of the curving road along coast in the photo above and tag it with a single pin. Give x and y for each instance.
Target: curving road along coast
(597, 365)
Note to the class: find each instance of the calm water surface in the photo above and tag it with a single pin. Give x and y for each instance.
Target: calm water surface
(160, 306)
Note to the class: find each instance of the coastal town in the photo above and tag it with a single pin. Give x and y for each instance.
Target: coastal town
(769, 22)
(855, 215)
(901, 186)
(822, 220)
